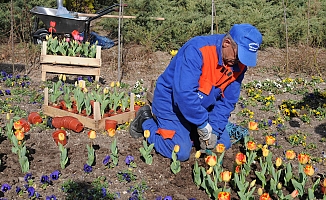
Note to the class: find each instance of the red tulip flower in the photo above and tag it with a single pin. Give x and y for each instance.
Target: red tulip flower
(240, 158)
(52, 25)
(237, 169)
(265, 196)
(223, 196)
(76, 36)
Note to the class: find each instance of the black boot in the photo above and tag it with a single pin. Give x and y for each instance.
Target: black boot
(142, 114)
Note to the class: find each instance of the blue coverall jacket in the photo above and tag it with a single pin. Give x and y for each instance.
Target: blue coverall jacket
(178, 101)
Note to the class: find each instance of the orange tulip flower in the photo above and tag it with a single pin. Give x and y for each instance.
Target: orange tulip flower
(303, 158)
(223, 196)
(209, 171)
(270, 140)
(251, 145)
(220, 148)
(253, 126)
(92, 134)
(211, 160)
(18, 125)
(323, 183)
(265, 196)
(290, 154)
(240, 158)
(226, 176)
(294, 194)
(176, 148)
(19, 134)
(111, 132)
(309, 170)
(323, 186)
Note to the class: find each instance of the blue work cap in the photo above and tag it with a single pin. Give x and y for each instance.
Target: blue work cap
(248, 39)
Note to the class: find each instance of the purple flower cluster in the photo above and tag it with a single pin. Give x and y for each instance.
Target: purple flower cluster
(20, 81)
(29, 189)
(5, 92)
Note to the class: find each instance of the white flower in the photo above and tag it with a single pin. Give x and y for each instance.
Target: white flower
(258, 85)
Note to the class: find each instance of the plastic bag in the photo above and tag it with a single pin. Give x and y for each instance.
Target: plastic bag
(102, 41)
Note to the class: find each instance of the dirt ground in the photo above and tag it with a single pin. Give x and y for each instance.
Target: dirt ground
(138, 64)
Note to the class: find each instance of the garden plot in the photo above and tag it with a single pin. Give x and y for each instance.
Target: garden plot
(286, 118)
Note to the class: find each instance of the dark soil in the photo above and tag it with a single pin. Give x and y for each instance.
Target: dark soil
(138, 63)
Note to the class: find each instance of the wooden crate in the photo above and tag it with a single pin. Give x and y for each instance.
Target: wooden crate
(69, 64)
(97, 123)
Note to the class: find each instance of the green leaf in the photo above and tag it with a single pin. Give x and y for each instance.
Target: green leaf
(298, 186)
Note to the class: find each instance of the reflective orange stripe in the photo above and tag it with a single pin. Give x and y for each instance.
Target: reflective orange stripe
(213, 74)
(165, 133)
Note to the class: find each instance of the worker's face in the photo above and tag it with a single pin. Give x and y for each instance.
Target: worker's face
(229, 53)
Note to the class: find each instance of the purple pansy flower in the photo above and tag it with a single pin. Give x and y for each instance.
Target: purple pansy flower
(18, 189)
(52, 197)
(5, 187)
(168, 198)
(31, 192)
(55, 175)
(88, 168)
(106, 160)
(103, 192)
(129, 159)
(45, 179)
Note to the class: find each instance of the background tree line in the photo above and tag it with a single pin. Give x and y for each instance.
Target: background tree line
(305, 20)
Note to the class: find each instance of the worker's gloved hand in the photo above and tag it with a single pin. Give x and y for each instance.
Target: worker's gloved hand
(206, 138)
(204, 131)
